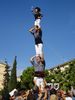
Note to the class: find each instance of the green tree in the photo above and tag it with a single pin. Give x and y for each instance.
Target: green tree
(6, 81)
(13, 76)
(47, 76)
(27, 78)
(71, 75)
(66, 79)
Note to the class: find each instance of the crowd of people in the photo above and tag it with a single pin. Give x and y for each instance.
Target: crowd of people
(47, 94)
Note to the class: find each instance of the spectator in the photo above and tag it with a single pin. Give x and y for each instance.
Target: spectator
(53, 95)
(68, 96)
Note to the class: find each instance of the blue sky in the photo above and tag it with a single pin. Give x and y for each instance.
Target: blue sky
(58, 26)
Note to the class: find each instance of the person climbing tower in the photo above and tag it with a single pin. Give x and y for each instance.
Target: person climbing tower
(37, 15)
(37, 33)
(39, 67)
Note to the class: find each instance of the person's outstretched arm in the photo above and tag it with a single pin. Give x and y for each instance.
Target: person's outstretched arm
(32, 60)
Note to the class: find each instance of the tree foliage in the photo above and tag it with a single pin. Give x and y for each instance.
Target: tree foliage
(27, 78)
(5, 91)
(66, 78)
(13, 76)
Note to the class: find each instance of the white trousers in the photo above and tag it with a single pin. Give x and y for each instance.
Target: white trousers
(37, 22)
(39, 82)
(39, 49)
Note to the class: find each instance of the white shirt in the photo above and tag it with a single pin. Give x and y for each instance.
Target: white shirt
(68, 98)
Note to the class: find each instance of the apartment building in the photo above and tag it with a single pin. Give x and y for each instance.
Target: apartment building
(2, 73)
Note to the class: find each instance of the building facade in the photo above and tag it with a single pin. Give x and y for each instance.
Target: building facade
(2, 73)
(62, 67)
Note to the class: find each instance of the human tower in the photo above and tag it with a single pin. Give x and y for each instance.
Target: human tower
(38, 60)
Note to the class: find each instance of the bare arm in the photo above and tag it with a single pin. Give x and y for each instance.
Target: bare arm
(32, 60)
(31, 29)
(45, 96)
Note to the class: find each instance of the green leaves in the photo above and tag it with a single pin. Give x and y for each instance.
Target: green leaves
(27, 78)
(65, 78)
(13, 76)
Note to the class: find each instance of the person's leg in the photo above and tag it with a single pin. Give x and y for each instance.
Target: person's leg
(35, 80)
(39, 50)
(37, 22)
(41, 88)
(42, 85)
(36, 50)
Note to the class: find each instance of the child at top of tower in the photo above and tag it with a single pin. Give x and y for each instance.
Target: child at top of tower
(37, 15)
